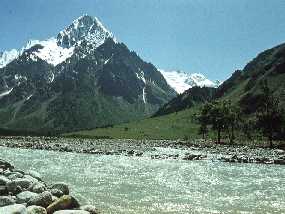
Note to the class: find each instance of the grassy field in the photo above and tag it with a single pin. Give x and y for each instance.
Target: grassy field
(180, 125)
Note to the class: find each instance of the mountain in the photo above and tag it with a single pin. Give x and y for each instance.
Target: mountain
(244, 86)
(181, 81)
(189, 98)
(177, 118)
(83, 78)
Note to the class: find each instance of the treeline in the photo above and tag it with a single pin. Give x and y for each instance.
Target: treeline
(226, 117)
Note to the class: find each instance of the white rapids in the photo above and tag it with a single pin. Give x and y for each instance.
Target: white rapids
(120, 184)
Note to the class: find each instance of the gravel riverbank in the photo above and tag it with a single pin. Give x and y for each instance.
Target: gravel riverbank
(194, 150)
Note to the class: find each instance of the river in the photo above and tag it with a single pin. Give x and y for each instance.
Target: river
(120, 184)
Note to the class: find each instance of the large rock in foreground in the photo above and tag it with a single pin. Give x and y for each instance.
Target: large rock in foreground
(71, 212)
(63, 203)
(63, 187)
(26, 193)
(25, 196)
(43, 199)
(36, 210)
(13, 209)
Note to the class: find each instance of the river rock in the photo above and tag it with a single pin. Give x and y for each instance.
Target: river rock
(3, 190)
(31, 178)
(62, 187)
(4, 180)
(43, 199)
(14, 209)
(64, 202)
(71, 212)
(36, 210)
(90, 208)
(193, 157)
(37, 187)
(34, 174)
(56, 192)
(54, 198)
(14, 175)
(5, 165)
(279, 161)
(23, 183)
(6, 200)
(279, 151)
(25, 196)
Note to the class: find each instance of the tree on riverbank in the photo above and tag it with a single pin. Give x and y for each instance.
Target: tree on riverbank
(270, 115)
(234, 118)
(220, 116)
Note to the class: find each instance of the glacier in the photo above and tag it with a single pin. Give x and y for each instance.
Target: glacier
(180, 81)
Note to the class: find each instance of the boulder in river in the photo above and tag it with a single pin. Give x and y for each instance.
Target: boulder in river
(3, 190)
(71, 212)
(280, 161)
(14, 209)
(14, 175)
(34, 174)
(25, 196)
(5, 165)
(38, 187)
(56, 192)
(6, 200)
(4, 180)
(90, 208)
(63, 203)
(31, 178)
(62, 187)
(21, 182)
(36, 210)
(43, 199)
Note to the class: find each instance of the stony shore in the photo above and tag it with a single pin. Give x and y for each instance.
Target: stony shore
(195, 150)
(26, 193)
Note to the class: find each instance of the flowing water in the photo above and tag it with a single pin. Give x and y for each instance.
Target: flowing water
(120, 184)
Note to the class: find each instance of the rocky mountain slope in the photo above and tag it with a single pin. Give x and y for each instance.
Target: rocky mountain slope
(84, 78)
(182, 81)
(244, 86)
(191, 97)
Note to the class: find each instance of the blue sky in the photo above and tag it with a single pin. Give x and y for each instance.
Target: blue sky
(213, 37)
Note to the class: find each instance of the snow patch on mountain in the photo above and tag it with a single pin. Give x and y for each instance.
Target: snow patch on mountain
(52, 53)
(181, 81)
(6, 92)
(7, 57)
(141, 77)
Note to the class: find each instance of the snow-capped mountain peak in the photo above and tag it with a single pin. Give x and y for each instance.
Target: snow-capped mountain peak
(56, 50)
(7, 57)
(181, 81)
(85, 28)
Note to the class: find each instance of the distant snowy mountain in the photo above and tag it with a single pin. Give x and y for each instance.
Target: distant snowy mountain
(181, 81)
